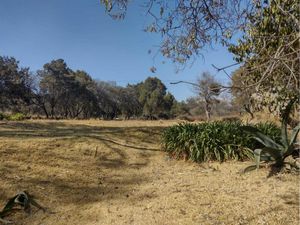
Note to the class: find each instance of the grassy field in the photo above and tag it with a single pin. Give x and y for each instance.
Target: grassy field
(113, 172)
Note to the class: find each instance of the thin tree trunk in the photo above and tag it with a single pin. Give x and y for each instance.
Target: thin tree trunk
(207, 110)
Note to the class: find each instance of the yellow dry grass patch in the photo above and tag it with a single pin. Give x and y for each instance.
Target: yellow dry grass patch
(112, 172)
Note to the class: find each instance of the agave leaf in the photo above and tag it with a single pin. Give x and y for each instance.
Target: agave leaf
(294, 134)
(276, 154)
(9, 206)
(257, 153)
(266, 156)
(260, 137)
(284, 135)
(249, 168)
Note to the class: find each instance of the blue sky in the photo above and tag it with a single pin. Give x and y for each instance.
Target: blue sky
(78, 31)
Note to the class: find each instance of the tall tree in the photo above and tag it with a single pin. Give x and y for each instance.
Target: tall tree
(108, 101)
(82, 102)
(56, 80)
(169, 101)
(15, 85)
(152, 96)
(270, 52)
(129, 102)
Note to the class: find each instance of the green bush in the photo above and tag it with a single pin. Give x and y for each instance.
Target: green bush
(220, 140)
(17, 117)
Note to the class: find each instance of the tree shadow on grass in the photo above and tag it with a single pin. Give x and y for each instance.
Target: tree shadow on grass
(61, 130)
(56, 194)
(125, 145)
(80, 191)
(85, 177)
(81, 185)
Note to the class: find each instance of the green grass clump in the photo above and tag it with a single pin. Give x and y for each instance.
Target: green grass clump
(16, 117)
(212, 141)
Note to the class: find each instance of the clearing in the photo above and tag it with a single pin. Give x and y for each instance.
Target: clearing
(113, 172)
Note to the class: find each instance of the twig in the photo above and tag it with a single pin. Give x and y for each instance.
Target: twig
(225, 67)
(96, 152)
(197, 85)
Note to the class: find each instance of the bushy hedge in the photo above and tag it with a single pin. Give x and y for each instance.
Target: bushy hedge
(210, 141)
(13, 117)
(17, 117)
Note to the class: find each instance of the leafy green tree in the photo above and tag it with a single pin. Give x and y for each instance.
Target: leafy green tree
(15, 85)
(179, 109)
(83, 102)
(64, 93)
(129, 102)
(154, 99)
(270, 52)
(169, 100)
(108, 101)
(55, 79)
(57, 91)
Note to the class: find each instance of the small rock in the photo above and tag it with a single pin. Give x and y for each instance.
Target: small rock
(290, 159)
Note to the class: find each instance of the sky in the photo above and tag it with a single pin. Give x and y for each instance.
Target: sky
(80, 32)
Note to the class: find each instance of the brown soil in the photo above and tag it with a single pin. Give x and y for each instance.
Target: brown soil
(95, 172)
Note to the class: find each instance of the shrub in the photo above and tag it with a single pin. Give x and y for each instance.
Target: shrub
(219, 140)
(17, 117)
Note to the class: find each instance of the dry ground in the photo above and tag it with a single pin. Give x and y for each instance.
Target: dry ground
(95, 172)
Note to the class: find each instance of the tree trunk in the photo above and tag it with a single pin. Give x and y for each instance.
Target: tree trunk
(207, 110)
(45, 111)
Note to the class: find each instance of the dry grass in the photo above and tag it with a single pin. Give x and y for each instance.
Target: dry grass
(96, 172)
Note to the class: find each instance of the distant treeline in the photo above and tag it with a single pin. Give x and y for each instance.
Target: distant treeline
(56, 91)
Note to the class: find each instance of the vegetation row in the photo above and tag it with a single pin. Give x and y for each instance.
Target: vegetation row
(219, 140)
(13, 116)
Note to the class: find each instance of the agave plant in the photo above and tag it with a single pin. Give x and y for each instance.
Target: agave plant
(274, 150)
(22, 199)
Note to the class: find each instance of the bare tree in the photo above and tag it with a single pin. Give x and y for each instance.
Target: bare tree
(208, 90)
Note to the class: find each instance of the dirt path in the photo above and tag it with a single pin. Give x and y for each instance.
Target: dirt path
(93, 172)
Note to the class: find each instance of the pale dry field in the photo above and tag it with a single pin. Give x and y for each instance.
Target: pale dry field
(113, 172)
